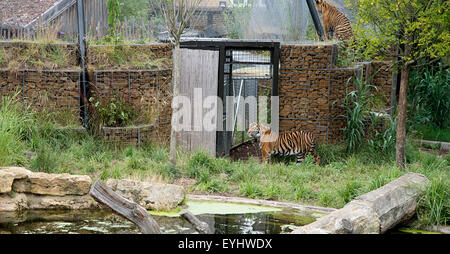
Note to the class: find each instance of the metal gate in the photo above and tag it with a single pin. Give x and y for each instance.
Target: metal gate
(246, 68)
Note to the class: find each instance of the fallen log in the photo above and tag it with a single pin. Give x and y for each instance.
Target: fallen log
(124, 207)
(200, 226)
(375, 212)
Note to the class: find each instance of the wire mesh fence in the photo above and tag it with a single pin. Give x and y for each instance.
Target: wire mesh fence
(250, 73)
(149, 94)
(46, 91)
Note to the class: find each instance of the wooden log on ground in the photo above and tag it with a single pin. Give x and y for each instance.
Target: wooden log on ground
(124, 207)
(199, 225)
(375, 212)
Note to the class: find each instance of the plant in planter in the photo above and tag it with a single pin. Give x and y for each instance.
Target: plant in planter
(111, 112)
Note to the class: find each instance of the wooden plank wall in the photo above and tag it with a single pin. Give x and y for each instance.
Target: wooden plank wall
(96, 19)
(65, 24)
(199, 69)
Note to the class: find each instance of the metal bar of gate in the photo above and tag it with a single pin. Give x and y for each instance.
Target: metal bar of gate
(237, 108)
(82, 45)
(316, 20)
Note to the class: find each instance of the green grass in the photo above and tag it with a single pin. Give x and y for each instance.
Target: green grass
(341, 176)
(38, 55)
(434, 204)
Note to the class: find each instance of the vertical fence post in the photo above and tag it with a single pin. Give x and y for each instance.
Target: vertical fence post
(316, 20)
(82, 50)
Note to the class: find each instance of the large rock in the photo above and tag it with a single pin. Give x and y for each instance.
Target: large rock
(9, 174)
(374, 212)
(13, 202)
(54, 184)
(22, 201)
(6, 181)
(18, 172)
(60, 202)
(29, 190)
(153, 196)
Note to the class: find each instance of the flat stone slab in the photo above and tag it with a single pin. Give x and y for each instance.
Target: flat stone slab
(24, 201)
(11, 203)
(54, 184)
(9, 174)
(6, 181)
(18, 172)
(152, 196)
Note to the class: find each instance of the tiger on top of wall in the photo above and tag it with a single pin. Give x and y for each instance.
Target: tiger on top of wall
(334, 21)
(298, 143)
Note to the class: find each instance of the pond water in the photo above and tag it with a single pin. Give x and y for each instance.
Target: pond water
(222, 218)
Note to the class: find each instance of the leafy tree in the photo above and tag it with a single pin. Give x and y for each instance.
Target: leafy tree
(416, 32)
(237, 18)
(113, 18)
(135, 8)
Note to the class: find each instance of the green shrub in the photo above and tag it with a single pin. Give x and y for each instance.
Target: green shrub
(429, 96)
(430, 132)
(16, 127)
(357, 105)
(349, 191)
(112, 112)
(434, 204)
(168, 170)
(251, 189)
(213, 186)
(159, 154)
(385, 140)
(201, 160)
(326, 199)
(45, 161)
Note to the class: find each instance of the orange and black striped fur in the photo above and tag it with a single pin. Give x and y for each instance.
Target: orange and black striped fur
(298, 143)
(334, 21)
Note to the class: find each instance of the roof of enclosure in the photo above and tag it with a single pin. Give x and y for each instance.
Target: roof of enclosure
(218, 42)
(25, 12)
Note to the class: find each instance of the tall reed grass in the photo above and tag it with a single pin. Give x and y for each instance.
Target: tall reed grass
(16, 125)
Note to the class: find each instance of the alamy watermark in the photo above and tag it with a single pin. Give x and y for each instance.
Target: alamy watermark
(206, 113)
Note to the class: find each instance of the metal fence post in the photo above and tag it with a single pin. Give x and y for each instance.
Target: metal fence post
(82, 50)
(316, 20)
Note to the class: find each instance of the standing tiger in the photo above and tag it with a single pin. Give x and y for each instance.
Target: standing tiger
(298, 143)
(334, 21)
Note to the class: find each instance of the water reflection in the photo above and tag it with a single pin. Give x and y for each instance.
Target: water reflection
(105, 222)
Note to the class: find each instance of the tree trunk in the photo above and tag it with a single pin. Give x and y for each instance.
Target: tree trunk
(400, 155)
(124, 207)
(200, 226)
(176, 90)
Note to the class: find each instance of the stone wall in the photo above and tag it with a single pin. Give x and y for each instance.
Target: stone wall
(35, 84)
(146, 90)
(382, 79)
(312, 89)
(44, 90)
(22, 189)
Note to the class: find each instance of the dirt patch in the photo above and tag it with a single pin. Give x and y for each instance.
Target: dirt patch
(185, 182)
(246, 151)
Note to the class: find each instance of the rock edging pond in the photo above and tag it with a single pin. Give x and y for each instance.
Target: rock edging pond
(22, 189)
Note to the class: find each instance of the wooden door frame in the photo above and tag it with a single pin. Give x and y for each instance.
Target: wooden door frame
(223, 138)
